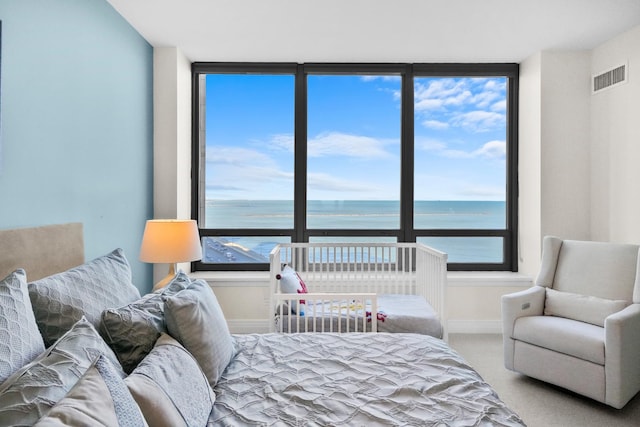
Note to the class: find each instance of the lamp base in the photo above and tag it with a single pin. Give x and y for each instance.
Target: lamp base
(168, 278)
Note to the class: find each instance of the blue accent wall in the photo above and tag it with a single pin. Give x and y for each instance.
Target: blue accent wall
(77, 124)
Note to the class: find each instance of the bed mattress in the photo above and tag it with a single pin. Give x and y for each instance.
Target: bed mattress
(353, 379)
(396, 313)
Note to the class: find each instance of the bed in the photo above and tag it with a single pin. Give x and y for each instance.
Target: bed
(358, 287)
(186, 377)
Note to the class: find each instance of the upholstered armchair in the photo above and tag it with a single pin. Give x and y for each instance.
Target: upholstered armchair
(578, 327)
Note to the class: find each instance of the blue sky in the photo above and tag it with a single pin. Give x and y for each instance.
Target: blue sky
(354, 137)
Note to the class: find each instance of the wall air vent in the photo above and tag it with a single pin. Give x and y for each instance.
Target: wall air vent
(610, 78)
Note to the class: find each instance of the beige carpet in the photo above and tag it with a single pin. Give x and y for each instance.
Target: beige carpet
(538, 404)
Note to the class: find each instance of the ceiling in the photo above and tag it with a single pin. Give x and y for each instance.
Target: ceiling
(376, 30)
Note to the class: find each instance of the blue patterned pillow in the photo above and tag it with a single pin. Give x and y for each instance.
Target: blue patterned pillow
(99, 398)
(170, 387)
(31, 391)
(131, 331)
(87, 290)
(20, 340)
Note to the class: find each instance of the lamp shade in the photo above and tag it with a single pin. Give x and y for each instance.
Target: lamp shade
(170, 241)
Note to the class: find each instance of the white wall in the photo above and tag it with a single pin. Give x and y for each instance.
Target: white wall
(615, 144)
(565, 159)
(554, 160)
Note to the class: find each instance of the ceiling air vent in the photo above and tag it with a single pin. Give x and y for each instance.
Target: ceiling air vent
(610, 78)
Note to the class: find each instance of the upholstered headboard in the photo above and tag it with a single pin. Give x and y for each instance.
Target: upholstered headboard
(41, 251)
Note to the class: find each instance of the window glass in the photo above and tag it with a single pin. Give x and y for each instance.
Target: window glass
(248, 170)
(353, 152)
(460, 152)
(235, 249)
(468, 249)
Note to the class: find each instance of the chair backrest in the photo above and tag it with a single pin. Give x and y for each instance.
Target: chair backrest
(600, 269)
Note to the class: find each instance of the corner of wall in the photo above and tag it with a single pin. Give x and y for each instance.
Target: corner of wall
(172, 138)
(529, 181)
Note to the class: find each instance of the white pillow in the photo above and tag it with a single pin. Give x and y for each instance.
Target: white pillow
(292, 283)
(195, 319)
(583, 308)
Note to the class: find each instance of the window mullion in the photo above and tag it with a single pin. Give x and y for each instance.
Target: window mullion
(300, 156)
(407, 163)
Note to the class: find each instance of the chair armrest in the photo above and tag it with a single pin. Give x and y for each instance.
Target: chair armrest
(622, 352)
(529, 302)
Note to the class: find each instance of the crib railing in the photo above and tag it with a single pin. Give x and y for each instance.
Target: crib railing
(352, 312)
(365, 268)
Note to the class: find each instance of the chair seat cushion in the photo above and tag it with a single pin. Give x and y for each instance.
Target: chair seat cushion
(571, 337)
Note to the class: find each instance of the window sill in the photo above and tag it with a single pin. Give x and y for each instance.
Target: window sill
(454, 278)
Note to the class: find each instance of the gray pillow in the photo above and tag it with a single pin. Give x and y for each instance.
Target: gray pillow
(131, 331)
(170, 387)
(584, 308)
(32, 391)
(99, 398)
(195, 319)
(87, 290)
(20, 340)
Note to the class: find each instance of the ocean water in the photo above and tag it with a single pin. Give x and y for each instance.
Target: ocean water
(354, 214)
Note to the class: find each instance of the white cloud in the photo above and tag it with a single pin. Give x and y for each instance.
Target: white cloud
(435, 124)
(495, 85)
(327, 182)
(473, 104)
(478, 192)
(456, 188)
(499, 106)
(479, 120)
(490, 150)
(282, 142)
(241, 172)
(222, 155)
(337, 144)
(428, 104)
(343, 144)
(429, 144)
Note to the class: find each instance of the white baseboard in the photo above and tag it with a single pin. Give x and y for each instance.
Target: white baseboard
(475, 326)
(260, 326)
(253, 326)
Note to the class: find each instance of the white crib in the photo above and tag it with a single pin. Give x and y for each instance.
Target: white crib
(348, 282)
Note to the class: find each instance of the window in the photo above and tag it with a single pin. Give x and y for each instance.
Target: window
(358, 152)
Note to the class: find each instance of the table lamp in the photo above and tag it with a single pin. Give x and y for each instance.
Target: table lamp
(170, 241)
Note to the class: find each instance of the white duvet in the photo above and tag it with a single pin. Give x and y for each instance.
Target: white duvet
(353, 379)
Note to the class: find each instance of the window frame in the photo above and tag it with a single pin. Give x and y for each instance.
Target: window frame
(406, 231)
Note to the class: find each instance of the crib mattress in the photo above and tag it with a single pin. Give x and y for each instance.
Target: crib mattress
(397, 313)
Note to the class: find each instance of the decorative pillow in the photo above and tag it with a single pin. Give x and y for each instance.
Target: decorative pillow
(195, 319)
(170, 387)
(32, 391)
(99, 398)
(132, 330)
(87, 290)
(584, 308)
(20, 339)
(292, 283)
